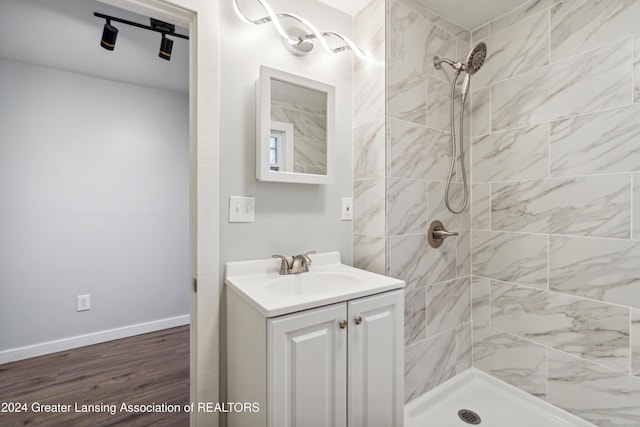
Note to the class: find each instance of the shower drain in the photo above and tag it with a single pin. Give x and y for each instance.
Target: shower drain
(468, 416)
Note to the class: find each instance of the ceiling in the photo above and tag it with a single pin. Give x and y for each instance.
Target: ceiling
(64, 34)
(73, 35)
(350, 7)
(469, 14)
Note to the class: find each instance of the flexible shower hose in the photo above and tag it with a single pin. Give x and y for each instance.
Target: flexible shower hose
(453, 150)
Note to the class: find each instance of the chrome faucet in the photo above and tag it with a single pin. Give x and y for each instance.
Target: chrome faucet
(299, 263)
(285, 267)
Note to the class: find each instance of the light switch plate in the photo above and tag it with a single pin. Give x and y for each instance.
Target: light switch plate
(242, 209)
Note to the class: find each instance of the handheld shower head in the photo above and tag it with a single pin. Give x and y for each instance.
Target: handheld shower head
(470, 66)
(475, 58)
(474, 61)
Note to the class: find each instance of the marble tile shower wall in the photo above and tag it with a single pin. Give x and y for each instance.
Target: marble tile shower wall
(402, 159)
(369, 243)
(556, 205)
(438, 294)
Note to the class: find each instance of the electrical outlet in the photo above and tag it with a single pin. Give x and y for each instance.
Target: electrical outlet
(347, 209)
(84, 302)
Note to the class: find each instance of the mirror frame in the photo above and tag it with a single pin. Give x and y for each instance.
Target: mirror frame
(263, 128)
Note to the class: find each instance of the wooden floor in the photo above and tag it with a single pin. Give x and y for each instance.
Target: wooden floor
(140, 370)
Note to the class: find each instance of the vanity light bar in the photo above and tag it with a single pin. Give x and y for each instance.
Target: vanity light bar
(297, 40)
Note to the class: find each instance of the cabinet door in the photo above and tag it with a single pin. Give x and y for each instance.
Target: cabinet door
(307, 369)
(376, 371)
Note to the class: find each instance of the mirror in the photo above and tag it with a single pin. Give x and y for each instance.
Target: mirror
(294, 128)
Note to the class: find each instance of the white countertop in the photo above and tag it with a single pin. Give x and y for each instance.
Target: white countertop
(272, 294)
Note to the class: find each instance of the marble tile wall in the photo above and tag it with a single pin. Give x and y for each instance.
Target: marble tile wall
(512, 359)
(402, 157)
(369, 135)
(555, 218)
(438, 310)
(603, 396)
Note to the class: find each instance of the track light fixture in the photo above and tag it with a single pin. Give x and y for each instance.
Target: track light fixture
(297, 40)
(166, 45)
(110, 33)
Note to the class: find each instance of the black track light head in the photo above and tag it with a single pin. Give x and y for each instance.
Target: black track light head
(166, 45)
(109, 35)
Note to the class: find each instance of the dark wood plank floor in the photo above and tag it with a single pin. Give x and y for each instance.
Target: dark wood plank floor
(140, 370)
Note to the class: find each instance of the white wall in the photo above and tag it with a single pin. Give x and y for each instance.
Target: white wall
(94, 199)
(201, 16)
(290, 218)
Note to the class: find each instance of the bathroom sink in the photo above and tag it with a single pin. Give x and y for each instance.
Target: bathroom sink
(328, 281)
(314, 283)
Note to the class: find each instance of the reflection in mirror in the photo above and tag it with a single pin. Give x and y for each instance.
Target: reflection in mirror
(294, 128)
(281, 137)
(304, 110)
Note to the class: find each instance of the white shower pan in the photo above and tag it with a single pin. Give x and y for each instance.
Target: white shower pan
(497, 403)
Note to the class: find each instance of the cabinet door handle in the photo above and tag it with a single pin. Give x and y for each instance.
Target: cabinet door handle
(342, 324)
(357, 320)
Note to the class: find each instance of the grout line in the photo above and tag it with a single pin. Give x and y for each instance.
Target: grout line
(566, 59)
(549, 348)
(549, 150)
(546, 378)
(489, 323)
(631, 201)
(548, 262)
(518, 21)
(490, 206)
(549, 37)
(490, 109)
(630, 341)
(533, 288)
(633, 59)
(567, 177)
(567, 117)
(531, 233)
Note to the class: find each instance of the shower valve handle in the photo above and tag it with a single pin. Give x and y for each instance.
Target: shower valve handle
(437, 233)
(441, 234)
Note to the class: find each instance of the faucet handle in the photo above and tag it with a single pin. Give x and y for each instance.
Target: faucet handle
(307, 260)
(300, 263)
(285, 267)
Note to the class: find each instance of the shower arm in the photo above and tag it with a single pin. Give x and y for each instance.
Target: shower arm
(437, 63)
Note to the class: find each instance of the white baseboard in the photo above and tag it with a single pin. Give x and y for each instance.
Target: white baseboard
(63, 344)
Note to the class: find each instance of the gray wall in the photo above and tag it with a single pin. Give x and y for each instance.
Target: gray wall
(94, 196)
(290, 218)
(556, 250)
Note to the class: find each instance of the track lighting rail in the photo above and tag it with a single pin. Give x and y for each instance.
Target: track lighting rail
(160, 27)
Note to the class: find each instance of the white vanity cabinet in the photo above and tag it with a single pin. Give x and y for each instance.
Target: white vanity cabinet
(339, 365)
